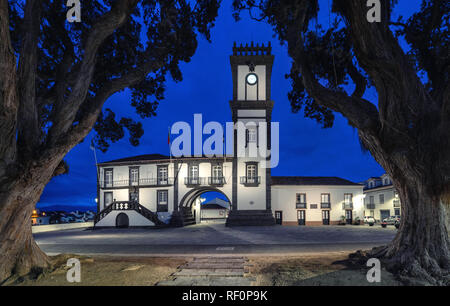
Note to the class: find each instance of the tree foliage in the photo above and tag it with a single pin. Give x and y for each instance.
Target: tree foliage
(137, 52)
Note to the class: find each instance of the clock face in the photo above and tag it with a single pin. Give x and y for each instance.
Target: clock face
(252, 79)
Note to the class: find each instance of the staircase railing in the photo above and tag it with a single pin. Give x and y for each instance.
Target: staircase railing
(129, 205)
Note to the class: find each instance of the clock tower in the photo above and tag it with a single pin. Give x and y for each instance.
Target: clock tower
(251, 107)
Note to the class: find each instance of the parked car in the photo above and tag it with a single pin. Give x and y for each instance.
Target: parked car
(392, 220)
(370, 220)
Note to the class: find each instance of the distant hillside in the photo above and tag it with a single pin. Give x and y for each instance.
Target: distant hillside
(67, 208)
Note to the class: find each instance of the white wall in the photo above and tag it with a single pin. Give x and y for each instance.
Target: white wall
(214, 213)
(135, 219)
(242, 71)
(389, 197)
(284, 199)
(60, 227)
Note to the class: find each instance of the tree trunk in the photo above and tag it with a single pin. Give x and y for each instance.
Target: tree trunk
(18, 197)
(420, 252)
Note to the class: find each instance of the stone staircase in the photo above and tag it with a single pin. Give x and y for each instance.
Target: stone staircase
(129, 205)
(188, 217)
(212, 271)
(250, 218)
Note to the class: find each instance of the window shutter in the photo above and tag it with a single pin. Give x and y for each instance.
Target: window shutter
(257, 136)
(246, 137)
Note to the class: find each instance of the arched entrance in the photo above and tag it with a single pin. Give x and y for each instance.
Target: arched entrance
(190, 196)
(191, 207)
(122, 220)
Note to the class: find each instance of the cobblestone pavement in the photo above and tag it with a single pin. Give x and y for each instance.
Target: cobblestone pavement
(204, 239)
(212, 271)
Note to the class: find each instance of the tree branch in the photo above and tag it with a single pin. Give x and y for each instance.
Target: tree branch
(28, 123)
(65, 113)
(360, 113)
(9, 103)
(381, 56)
(93, 107)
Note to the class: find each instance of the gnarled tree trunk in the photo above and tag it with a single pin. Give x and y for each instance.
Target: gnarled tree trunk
(19, 252)
(421, 247)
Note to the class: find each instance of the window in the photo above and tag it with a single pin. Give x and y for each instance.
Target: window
(251, 173)
(300, 200)
(325, 198)
(386, 181)
(107, 199)
(134, 176)
(162, 175)
(301, 197)
(162, 200)
(108, 177)
(193, 171)
(371, 200)
(348, 198)
(217, 171)
(252, 135)
(381, 198)
(134, 195)
(217, 176)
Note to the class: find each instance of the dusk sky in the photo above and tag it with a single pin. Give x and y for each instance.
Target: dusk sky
(306, 149)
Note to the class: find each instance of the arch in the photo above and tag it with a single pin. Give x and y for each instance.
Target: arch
(122, 220)
(191, 195)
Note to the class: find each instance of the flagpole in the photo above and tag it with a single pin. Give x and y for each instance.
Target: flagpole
(95, 156)
(92, 146)
(168, 142)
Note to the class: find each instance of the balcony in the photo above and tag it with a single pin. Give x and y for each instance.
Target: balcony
(216, 180)
(250, 181)
(194, 181)
(143, 182)
(396, 203)
(300, 205)
(370, 206)
(347, 206)
(325, 205)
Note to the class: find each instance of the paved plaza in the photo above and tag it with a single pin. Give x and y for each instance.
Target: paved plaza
(214, 239)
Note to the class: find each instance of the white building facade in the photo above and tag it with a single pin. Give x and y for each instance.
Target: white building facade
(381, 199)
(156, 190)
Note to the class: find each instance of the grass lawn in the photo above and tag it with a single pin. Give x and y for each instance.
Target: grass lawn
(330, 269)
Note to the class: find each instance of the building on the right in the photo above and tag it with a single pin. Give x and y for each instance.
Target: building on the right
(381, 200)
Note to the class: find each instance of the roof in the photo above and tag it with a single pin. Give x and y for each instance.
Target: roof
(212, 206)
(138, 158)
(156, 157)
(311, 180)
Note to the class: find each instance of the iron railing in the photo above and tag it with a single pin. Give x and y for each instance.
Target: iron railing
(140, 182)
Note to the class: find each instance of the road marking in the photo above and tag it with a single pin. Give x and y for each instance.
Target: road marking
(224, 248)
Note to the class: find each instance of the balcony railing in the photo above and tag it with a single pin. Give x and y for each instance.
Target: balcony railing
(216, 180)
(141, 182)
(325, 205)
(347, 205)
(250, 181)
(370, 206)
(192, 181)
(396, 203)
(300, 205)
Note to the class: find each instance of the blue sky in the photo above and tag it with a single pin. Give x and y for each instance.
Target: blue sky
(306, 149)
